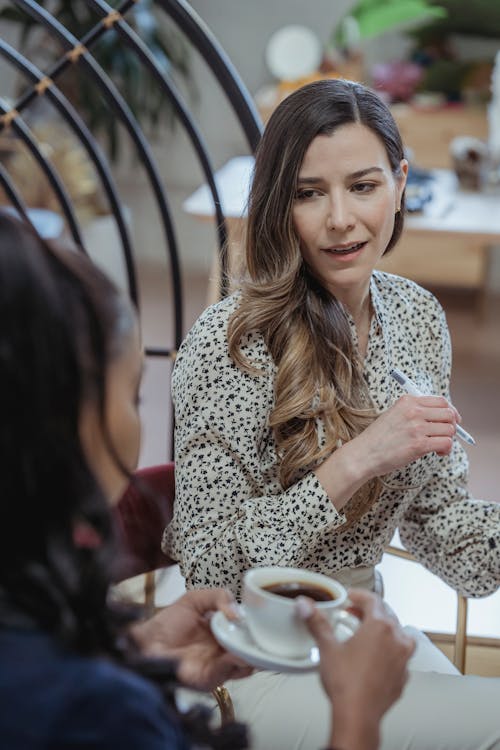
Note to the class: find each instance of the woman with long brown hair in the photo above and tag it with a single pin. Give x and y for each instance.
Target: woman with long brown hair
(294, 445)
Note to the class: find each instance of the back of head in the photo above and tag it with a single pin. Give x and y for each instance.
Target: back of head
(58, 320)
(61, 324)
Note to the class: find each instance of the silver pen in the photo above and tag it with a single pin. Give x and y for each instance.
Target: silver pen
(410, 387)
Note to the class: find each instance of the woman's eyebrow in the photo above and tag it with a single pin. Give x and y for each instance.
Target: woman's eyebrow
(363, 172)
(352, 176)
(309, 180)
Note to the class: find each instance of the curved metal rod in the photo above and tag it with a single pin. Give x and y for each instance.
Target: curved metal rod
(240, 100)
(14, 195)
(77, 52)
(55, 181)
(76, 49)
(198, 33)
(205, 42)
(195, 136)
(47, 88)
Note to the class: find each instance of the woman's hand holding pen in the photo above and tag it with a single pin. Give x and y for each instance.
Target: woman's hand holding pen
(411, 428)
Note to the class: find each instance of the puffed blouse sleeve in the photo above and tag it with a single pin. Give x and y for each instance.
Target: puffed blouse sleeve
(231, 513)
(452, 534)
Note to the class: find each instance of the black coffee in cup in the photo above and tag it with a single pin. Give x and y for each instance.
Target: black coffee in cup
(293, 589)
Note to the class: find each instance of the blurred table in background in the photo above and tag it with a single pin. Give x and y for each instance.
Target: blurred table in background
(427, 133)
(450, 242)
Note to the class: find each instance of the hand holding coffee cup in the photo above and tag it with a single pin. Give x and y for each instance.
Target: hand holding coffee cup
(270, 608)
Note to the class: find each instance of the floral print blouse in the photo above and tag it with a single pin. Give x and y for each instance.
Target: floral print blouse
(231, 512)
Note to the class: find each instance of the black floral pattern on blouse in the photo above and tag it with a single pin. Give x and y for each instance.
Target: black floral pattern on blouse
(231, 513)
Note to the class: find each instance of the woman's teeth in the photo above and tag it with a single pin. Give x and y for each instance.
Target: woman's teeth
(346, 250)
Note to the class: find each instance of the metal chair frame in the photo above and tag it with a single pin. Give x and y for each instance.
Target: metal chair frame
(78, 51)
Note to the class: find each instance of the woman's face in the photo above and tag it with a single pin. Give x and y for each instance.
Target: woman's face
(344, 208)
(122, 418)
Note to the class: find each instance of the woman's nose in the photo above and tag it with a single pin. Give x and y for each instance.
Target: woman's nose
(340, 216)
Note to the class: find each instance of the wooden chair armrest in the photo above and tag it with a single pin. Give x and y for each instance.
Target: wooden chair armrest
(460, 644)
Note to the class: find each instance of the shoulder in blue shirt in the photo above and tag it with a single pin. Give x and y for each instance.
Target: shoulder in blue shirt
(52, 698)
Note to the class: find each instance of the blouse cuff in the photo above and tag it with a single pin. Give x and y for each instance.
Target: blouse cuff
(307, 500)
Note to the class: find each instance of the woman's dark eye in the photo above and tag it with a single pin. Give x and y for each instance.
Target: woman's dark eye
(305, 194)
(363, 187)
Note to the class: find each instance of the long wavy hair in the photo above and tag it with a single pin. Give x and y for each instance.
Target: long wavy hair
(62, 323)
(319, 371)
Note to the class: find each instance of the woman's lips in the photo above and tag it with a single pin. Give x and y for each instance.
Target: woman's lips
(350, 249)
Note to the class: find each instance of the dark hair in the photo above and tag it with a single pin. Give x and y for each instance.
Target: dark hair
(61, 322)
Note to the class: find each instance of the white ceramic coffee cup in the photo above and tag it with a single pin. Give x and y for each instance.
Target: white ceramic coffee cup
(272, 619)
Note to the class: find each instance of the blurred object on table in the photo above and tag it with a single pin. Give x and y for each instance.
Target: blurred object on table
(469, 156)
(419, 189)
(397, 79)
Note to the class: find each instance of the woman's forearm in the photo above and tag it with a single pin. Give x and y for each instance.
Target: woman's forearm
(342, 474)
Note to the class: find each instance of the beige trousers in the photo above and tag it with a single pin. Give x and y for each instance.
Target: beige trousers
(439, 710)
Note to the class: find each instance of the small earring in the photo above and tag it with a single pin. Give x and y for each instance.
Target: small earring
(398, 211)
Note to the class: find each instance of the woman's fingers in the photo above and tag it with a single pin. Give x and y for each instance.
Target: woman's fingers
(367, 604)
(318, 624)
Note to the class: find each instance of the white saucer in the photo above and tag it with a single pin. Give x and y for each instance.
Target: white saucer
(234, 637)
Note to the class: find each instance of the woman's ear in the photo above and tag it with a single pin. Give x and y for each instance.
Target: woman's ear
(401, 182)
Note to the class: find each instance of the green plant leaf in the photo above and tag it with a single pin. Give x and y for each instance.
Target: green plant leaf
(478, 18)
(375, 17)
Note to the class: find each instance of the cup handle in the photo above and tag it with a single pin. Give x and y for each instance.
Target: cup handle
(346, 621)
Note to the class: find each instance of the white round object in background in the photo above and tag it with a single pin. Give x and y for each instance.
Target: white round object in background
(293, 52)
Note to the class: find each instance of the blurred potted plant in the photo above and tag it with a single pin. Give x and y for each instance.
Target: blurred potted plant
(480, 18)
(437, 49)
(148, 103)
(368, 19)
(371, 18)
